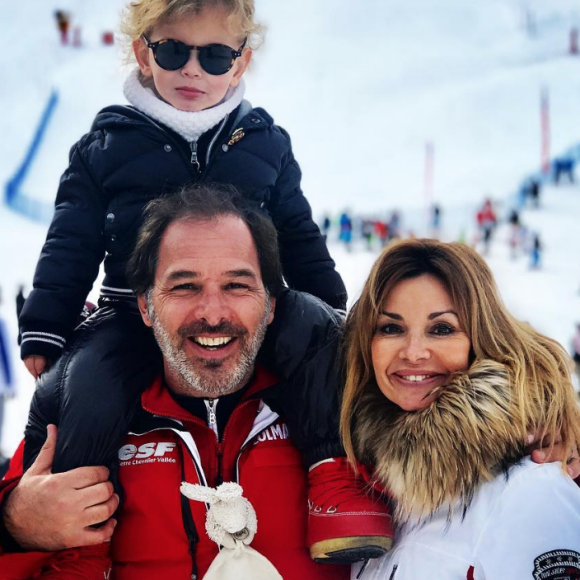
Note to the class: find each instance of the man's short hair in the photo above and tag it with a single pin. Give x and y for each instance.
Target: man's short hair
(202, 203)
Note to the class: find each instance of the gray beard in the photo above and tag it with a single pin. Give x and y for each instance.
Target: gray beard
(208, 384)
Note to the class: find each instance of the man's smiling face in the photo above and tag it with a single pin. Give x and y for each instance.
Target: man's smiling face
(208, 307)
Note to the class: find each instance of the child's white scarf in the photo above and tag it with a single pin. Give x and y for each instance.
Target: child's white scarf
(190, 125)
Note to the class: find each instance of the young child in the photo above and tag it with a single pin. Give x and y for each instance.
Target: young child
(188, 123)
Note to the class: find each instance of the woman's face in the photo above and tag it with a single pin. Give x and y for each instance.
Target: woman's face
(418, 342)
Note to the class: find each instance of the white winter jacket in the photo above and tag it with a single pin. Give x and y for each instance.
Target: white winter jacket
(525, 526)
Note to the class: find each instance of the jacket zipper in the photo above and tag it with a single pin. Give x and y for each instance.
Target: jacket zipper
(194, 160)
(164, 131)
(211, 406)
(193, 146)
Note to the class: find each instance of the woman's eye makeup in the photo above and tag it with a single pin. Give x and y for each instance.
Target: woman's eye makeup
(437, 329)
(390, 328)
(442, 329)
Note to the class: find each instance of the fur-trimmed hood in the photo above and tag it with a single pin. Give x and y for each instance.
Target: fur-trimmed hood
(440, 455)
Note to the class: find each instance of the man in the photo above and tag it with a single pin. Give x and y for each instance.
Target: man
(209, 296)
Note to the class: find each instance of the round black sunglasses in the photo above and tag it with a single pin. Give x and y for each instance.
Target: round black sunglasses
(214, 59)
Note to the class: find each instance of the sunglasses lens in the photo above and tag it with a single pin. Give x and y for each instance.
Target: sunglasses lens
(216, 59)
(172, 55)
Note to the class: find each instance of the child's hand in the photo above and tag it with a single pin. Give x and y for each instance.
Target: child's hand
(36, 364)
(544, 452)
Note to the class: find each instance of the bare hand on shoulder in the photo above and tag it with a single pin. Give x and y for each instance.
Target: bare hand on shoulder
(36, 364)
(544, 452)
(47, 512)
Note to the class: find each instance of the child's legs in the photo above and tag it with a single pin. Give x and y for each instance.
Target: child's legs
(302, 348)
(92, 389)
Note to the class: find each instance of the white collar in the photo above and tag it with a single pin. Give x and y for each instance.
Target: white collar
(190, 125)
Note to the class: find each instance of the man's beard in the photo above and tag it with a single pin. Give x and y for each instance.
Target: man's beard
(208, 381)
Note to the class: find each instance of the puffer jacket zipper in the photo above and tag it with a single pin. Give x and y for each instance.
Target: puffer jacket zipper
(194, 160)
(193, 147)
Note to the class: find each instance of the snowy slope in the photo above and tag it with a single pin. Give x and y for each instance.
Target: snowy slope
(361, 88)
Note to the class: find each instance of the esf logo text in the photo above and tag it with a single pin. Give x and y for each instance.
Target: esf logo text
(145, 451)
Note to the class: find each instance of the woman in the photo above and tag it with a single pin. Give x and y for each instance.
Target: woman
(443, 386)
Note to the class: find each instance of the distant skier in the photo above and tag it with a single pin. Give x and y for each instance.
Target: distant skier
(534, 192)
(345, 235)
(523, 194)
(382, 232)
(436, 221)
(63, 24)
(515, 238)
(536, 252)
(486, 222)
(368, 228)
(326, 224)
(564, 167)
(395, 225)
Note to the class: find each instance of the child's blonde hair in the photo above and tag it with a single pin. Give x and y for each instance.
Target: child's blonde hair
(141, 16)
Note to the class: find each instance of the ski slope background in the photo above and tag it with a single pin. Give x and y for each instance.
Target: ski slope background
(361, 89)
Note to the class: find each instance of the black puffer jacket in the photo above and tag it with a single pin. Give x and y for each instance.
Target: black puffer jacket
(127, 160)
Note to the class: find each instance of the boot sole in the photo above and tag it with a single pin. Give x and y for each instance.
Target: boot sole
(350, 550)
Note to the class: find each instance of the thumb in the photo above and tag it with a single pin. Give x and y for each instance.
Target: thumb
(43, 463)
(39, 365)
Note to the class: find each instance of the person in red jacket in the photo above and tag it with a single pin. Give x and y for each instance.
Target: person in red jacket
(209, 296)
(63, 24)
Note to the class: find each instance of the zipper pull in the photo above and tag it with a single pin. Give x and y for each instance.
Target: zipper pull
(194, 160)
(211, 418)
(211, 405)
